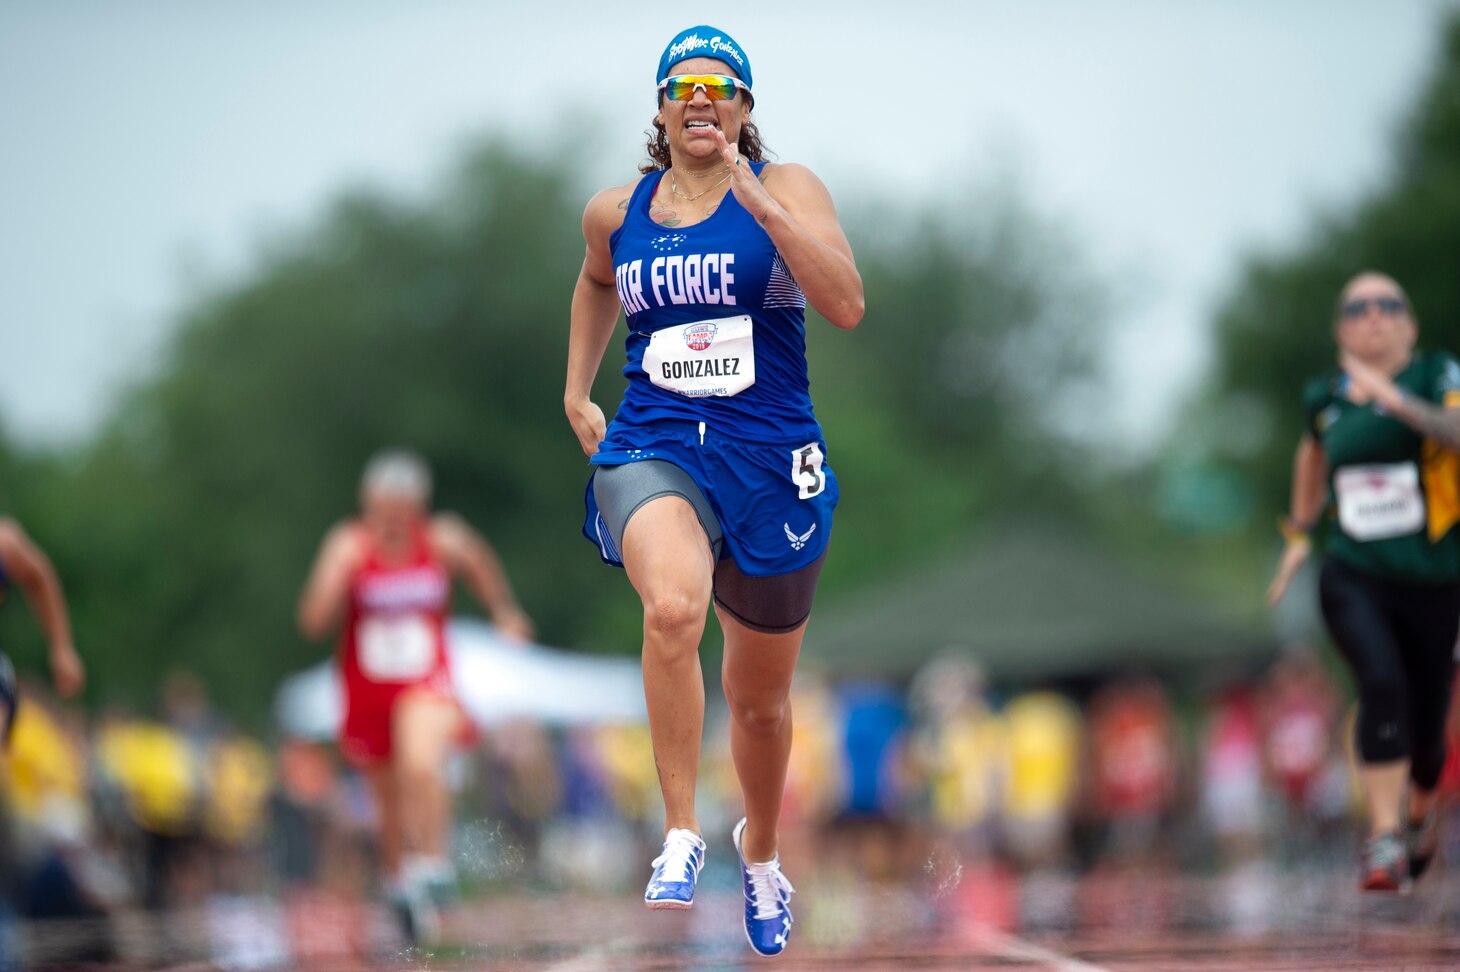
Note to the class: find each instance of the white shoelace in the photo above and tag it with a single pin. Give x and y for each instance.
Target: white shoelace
(678, 854)
(770, 890)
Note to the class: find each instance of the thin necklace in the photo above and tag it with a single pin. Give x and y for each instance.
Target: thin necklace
(692, 197)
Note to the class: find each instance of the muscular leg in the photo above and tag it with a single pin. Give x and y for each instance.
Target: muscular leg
(757, 678)
(668, 560)
(425, 726)
(1383, 790)
(387, 806)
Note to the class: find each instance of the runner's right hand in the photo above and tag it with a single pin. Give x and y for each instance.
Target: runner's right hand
(588, 424)
(67, 671)
(1295, 554)
(514, 625)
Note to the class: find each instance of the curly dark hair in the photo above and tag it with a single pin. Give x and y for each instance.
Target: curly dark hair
(658, 146)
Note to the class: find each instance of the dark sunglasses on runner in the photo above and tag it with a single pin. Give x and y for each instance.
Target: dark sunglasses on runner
(1358, 308)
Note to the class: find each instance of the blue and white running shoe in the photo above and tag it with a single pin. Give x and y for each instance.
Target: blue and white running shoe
(433, 876)
(416, 914)
(767, 901)
(676, 869)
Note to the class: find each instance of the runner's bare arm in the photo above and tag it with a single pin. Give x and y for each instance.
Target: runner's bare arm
(594, 315)
(471, 557)
(1309, 496)
(792, 205)
(1441, 423)
(806, 231)
(323, 599)
(30, 568)
(1310, 483)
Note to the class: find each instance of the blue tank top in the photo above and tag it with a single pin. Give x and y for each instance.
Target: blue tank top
(698, 284)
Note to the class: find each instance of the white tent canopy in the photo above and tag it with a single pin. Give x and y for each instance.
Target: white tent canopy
(496, 679)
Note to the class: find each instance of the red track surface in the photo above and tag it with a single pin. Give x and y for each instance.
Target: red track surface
(1238, 923)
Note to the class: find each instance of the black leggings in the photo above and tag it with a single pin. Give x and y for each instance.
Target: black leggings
(1399, 641)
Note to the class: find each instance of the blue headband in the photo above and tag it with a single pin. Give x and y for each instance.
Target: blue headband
(704, 41)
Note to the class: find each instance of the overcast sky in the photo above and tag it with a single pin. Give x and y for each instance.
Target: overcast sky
(144, 144)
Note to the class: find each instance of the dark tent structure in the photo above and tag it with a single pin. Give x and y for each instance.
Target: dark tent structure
(1031, 601)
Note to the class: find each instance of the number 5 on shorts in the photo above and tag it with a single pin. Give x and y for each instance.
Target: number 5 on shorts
(806, 471)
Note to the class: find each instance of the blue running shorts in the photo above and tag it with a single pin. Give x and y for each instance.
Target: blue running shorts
(774, 501)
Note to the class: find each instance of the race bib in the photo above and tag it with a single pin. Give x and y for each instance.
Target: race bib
(706, 358)
(396, 648)
(1377, 502)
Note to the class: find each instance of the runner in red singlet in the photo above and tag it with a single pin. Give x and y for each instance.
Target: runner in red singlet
(385, 579)
(25, 565)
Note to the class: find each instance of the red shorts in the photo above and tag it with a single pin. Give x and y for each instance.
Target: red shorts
(368, 729)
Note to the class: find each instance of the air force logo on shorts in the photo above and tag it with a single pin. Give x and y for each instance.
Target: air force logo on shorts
(798, 540)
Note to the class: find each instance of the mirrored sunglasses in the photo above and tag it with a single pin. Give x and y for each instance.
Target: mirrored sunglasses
(718, 87)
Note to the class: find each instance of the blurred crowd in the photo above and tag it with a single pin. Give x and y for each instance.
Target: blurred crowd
(125, 817)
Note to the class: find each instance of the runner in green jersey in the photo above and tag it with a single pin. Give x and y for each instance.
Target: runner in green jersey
(1377, 468)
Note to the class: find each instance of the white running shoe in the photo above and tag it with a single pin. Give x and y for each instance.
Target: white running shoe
(676, 870)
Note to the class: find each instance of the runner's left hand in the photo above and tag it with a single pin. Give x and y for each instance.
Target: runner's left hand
(1368, 384)
(749, 191)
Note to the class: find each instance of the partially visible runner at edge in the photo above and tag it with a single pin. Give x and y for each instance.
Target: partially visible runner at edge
(384, 580)
(25, 565)
(1377, 477)
(712, 479)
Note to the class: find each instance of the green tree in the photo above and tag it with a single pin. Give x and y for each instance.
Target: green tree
(185, 529)
(1276, 327)
(947, 406)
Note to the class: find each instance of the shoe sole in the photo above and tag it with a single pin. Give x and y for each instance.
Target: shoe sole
(668, 905)
(1379, 881)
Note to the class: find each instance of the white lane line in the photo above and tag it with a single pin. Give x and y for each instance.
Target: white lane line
(603, 957)
(1002, 945)
(609, 956)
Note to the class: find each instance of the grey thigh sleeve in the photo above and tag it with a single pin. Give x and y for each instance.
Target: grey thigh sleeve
(619, 491)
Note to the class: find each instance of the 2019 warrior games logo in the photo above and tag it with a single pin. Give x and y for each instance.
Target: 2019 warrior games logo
(700, 336)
